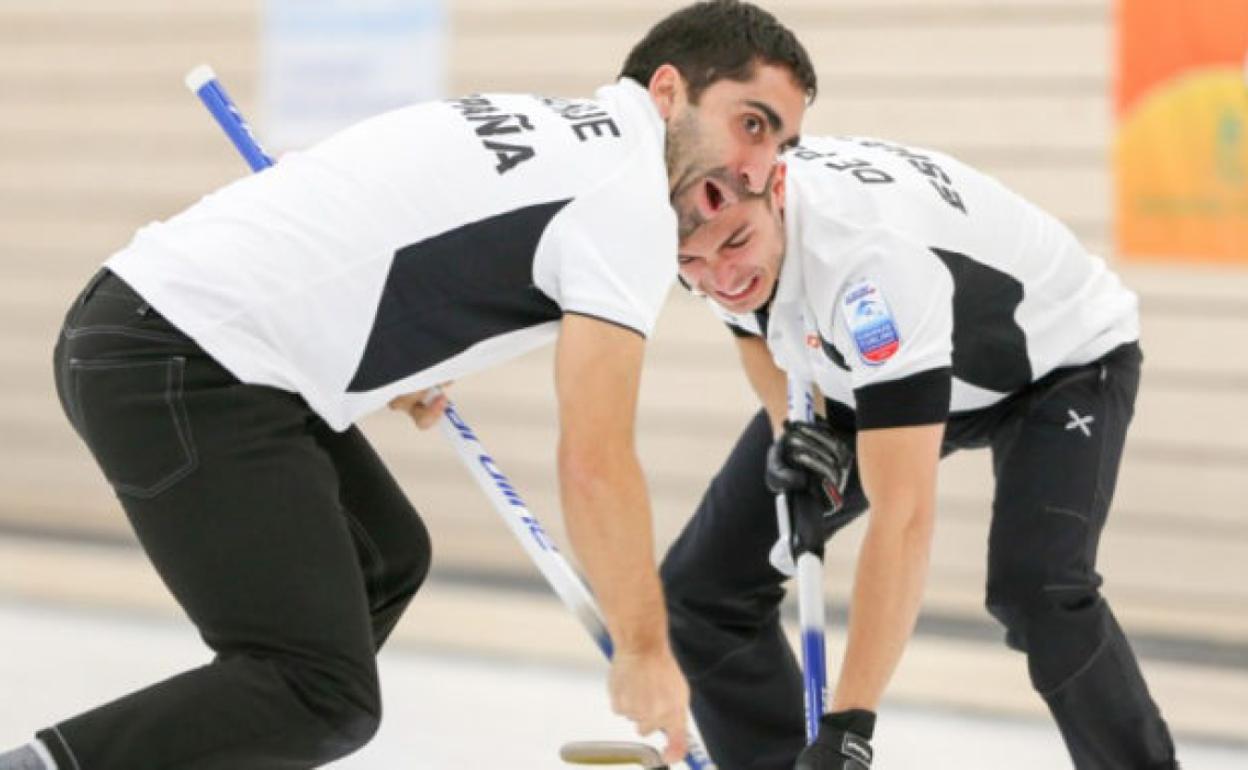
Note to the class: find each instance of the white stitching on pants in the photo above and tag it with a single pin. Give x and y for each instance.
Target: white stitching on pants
(177, 409)
(68, 749)
(123, 331)
(1067, 512)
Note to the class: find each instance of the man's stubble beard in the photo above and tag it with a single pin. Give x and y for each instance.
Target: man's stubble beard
(684, 143)
(685, 167)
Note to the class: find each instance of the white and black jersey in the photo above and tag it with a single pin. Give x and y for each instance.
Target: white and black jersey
(421, 245)
(914, 286)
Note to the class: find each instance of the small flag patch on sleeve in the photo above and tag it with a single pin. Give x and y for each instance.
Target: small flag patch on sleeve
(870, 323)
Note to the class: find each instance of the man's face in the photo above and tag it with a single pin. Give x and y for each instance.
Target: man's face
(735, 258)
(730, 139)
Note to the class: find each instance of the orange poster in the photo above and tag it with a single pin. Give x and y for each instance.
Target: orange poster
(1181, 151)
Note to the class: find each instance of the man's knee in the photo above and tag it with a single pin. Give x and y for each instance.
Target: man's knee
(678, 575)
(695, 586)
(344, 697)
(1059, 627)
(1013, 617)
(416, 558)
(688, 597)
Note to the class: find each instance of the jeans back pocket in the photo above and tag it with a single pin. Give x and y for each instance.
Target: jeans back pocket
(132, 416)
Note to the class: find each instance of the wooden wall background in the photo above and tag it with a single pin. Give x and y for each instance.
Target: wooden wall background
(98, 136)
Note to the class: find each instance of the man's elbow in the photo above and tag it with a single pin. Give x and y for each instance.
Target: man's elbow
(909, 525)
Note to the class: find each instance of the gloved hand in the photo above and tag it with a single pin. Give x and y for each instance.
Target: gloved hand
(808, 457)
(843, 743)
(811, 466)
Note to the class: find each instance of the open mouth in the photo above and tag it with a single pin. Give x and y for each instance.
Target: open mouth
(736, 294)
(713, 198)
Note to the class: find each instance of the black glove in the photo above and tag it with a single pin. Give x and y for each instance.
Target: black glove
(843, 743)
(809, 458)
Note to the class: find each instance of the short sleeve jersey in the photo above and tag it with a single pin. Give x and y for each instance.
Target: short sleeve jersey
(914, 287)
(421, 245)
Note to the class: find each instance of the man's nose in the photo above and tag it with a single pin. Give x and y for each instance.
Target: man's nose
(721, 272)
(757, 169)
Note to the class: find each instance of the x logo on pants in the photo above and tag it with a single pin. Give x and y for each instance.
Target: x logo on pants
(1079, 423)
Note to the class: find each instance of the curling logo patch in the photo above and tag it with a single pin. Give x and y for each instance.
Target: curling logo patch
(870, 323)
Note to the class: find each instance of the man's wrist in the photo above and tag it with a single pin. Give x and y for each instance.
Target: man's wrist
(843, 743)
(638, 645)
(641, 638)
(860, 721)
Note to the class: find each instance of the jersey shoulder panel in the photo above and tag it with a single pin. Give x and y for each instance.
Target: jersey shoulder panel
(1026, 296)
(611, 252)
(882, 302)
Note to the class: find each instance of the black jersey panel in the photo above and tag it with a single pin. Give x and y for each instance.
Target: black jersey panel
(839, 417)
(447, 293)
(920, 399)
(832, 354)
(739, 331)
(989, 347)
(763, 317)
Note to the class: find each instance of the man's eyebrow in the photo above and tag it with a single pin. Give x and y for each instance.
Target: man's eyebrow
(773, 117)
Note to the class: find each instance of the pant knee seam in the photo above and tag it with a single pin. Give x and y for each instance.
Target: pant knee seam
(723, 661)
(1087, 664)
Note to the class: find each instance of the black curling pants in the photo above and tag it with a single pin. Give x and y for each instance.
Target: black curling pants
(287, 544)
(1056, 448)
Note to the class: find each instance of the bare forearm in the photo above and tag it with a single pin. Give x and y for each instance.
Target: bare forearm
(768, 382)
(774, 395)
(607, 510)
(888, 589)
(607, 513)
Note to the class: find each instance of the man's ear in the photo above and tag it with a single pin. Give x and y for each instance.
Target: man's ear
(667, 89)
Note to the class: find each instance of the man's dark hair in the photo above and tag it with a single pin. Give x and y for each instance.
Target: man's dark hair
(718, 39)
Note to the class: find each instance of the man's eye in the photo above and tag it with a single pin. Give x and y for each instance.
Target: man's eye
(738, 242)
(753, 125)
